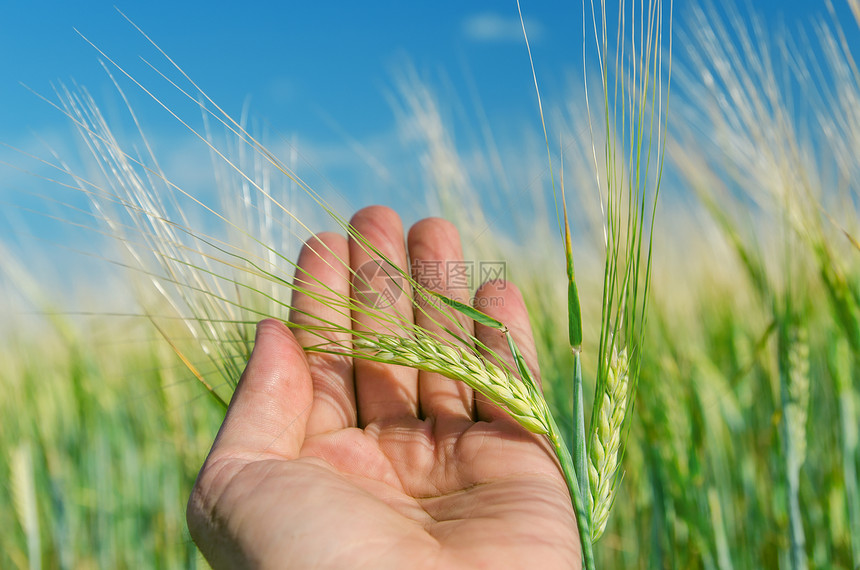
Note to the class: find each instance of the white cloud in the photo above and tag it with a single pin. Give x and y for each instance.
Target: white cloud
(493, 27)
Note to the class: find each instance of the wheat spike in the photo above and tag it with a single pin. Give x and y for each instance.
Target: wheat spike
(606, 443)
(798, 393)
(426, 352)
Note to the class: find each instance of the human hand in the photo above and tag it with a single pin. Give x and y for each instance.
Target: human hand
(328, 462)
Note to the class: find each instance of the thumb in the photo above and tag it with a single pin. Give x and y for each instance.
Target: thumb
(269, 410)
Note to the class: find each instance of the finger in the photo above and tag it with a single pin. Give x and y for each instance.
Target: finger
(502, 301)
(382, 392)
(319, 300)
(437, 264)
(270, 407)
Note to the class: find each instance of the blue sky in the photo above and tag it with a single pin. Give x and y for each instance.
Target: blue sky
(295, 61)
(298, 61)
(318, 71)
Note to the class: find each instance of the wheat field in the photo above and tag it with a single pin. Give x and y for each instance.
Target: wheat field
(742, 448)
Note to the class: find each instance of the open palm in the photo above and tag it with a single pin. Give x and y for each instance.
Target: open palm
(326, 462)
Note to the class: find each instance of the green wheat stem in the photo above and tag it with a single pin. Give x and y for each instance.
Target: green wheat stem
(580, 451)
(565, 460)
(570, 477)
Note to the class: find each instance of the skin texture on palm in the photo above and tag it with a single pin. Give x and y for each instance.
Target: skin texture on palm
(326, 462)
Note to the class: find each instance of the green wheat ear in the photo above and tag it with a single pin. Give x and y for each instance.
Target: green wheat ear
(426, 352)
(797, 391)
(605, 445)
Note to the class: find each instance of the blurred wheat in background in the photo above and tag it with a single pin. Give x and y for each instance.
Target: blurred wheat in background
(743, 448)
